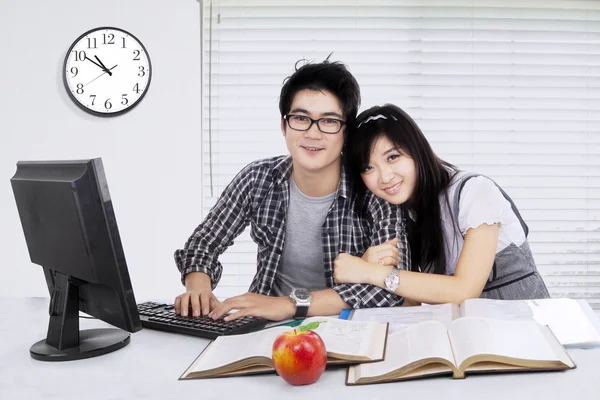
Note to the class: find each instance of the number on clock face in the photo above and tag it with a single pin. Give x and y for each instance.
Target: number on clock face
(107, 71)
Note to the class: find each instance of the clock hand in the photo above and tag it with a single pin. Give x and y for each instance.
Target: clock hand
(94, 62)
(101, 63)
(107, 71)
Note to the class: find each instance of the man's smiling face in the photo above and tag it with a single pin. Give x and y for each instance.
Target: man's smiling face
(312, 150)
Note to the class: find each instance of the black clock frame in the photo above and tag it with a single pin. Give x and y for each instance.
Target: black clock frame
(97, 113)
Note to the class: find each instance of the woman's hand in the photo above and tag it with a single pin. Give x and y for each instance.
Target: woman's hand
(350, 269)
(385, 254)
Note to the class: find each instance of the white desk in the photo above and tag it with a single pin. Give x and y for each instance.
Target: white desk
(148, 368)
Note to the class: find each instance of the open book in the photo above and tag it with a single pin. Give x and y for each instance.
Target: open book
(572, 321)
(347, 342)
(468, 345)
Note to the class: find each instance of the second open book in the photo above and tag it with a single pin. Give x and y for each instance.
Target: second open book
(470, 344)
(573, 322)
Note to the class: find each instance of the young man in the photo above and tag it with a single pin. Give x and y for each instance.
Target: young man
(301, 213)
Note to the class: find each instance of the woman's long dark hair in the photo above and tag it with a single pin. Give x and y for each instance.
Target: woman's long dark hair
(426, 239)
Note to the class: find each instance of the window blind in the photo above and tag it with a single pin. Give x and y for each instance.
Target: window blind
(510, 89)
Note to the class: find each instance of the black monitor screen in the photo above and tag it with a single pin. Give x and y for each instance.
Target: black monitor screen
(71, 231)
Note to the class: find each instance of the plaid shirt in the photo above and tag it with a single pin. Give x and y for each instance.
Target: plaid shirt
(259, 196)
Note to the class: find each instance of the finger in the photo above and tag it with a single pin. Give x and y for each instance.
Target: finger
(205, 302)
(240, 302)
(177, 304)
(222, 308)
(388, 253)
(213, 302)
(376, 253)
(195, 304)
(387, 246)
(377, 249)
(390, 247)
(183, 309)
(381, 255)
(389, 261)
(238, 314)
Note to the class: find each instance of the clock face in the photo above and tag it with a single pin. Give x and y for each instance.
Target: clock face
(107, 71)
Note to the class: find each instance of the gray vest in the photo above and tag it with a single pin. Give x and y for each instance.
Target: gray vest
(514, 275)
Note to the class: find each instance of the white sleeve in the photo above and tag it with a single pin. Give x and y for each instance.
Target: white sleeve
(481, 202)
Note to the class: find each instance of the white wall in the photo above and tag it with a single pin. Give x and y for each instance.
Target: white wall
(151, 155)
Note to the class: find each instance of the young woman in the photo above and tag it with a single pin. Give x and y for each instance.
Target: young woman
(466, 236)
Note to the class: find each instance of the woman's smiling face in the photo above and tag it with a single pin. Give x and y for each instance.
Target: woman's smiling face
(391, 173)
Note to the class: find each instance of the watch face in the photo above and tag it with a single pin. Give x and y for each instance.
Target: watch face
(301, 294)
(107, 71)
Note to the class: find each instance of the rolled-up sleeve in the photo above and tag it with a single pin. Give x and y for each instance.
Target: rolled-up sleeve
(225, 221)
(367, 296)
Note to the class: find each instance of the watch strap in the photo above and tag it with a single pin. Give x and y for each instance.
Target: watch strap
(301, 311)
(302, 303)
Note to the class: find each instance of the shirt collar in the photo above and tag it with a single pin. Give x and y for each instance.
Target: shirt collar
(283, 170)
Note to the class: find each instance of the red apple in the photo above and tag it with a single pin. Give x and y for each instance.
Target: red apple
(299, 357)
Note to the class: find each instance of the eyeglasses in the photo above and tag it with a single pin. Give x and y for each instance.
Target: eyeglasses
(304, 123)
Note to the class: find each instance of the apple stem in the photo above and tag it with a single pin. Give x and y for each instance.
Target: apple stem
(295, 331)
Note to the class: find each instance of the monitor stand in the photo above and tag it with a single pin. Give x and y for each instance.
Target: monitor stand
(65, 342)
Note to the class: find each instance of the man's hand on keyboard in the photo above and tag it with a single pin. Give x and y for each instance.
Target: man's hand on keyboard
(198, 296)
(256, 305)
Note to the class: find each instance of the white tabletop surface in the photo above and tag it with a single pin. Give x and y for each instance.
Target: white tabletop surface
(149, 368)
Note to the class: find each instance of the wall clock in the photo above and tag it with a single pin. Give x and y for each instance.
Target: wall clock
(107, 71)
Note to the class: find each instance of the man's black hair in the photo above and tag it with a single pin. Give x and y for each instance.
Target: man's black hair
(331, 76)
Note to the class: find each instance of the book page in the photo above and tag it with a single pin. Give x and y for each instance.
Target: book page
(513, 310)
(226, 350)
(591, 315)
(344, 337)
(517, 339)
(402, 317)
(417, 342)
(565, 317)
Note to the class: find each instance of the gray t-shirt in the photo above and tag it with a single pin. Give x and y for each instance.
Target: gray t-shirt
(302, 262)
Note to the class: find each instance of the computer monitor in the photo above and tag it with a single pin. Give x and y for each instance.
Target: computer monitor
(71, 231)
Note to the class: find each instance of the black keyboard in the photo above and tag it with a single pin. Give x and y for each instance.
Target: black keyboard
(162, 317)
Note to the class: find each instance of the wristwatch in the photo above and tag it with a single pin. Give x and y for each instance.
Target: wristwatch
(392, 280)
(301, 298)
